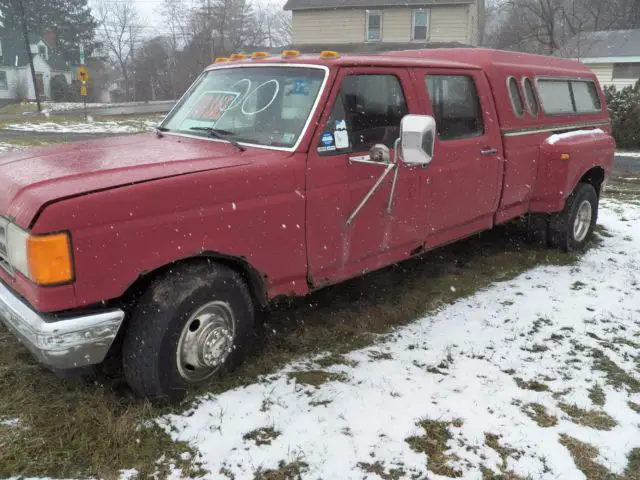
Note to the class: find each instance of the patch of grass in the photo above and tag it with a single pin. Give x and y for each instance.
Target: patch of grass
(320, 403)
(493, 441)
(616, 376)
(285, 471)
(538, 413)
(578, 285)
(597, 396)
(536, 348)
(28, 142)
(534, 385)
(588, 418)
(634, 406)
(315, 378)
(379, 469)
(76, 429)
(262, 436)
(626, 341)
(434, 444)
(584, 456)
(378, 355)
(632, 471)
(335, 359)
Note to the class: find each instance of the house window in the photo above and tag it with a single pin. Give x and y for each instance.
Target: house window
(456, 106)
(420, 24)
(374, 25)
(626, 71)
(3, 81)
(42, 51)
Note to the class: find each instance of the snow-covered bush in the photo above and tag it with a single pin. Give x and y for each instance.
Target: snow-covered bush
(624, 110)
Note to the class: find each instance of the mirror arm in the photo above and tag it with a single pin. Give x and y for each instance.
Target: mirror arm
(375, 187)
(393, 189)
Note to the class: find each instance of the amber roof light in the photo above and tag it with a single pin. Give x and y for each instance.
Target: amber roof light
(259, 55)
(290, 54)
(238, 56)
(328, 54)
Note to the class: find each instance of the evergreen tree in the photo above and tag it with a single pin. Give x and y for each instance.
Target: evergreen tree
(71, 21)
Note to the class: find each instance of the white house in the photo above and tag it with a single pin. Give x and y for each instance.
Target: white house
(385, 24)
(15, 75)
(614, 56)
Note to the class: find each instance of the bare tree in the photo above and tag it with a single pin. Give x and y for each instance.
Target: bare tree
(120, 30)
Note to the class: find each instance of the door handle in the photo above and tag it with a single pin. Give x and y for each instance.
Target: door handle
(489, 151)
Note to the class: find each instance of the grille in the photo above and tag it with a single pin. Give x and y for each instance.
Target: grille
(4, 254)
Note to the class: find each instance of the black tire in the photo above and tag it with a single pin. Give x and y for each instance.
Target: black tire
(158, 322)
(562, 233)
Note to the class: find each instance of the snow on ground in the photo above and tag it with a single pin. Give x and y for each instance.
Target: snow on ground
(482, 365)
(8, 147)
(127, 126)
(628, 154)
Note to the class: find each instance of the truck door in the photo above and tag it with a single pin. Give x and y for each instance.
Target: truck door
(356, 219)
(465, 175)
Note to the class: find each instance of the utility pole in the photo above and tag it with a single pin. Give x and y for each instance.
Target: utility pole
(30, 56)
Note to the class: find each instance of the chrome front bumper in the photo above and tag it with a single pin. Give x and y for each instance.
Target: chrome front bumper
(60, 343)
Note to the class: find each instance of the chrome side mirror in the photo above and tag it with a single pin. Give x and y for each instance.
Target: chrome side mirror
(380, 153)
(417, 139)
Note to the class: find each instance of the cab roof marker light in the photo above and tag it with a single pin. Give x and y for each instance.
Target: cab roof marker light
(221, 60)
(329, 54)
(238, 56)
(259, 55)
(290, 54)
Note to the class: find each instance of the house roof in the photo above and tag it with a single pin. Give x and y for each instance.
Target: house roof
(326, 4)
(602, 45)
(13, 46)
(366, 47)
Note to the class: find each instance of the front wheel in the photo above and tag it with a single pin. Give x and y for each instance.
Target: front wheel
(572, 228)
(191, 325)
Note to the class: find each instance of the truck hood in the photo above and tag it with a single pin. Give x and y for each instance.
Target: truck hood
(34, 178)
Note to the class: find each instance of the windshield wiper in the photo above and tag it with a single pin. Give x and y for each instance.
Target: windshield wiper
(159, 131)
(220, 134)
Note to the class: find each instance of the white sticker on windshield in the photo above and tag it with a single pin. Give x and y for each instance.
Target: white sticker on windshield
(340, 135)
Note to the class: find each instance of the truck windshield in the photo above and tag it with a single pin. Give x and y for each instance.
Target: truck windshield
(266, 106)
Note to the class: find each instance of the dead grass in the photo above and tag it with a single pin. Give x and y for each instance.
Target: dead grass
(597, 395)
(534, 385)
(285, 471)
(434, 444)
(538, 413)
(588, 418)
(93, 429)
(335, 359)
(379, 469)
(634, 406)
(584, 456)
(616, 376)
(262, 436)
(493, 441)
(315, 378)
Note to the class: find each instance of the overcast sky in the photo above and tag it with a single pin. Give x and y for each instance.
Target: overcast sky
(150, 18)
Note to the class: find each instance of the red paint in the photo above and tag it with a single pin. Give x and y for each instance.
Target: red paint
(134, 204)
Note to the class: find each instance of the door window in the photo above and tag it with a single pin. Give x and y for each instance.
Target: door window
(367, 111)
(456, 106)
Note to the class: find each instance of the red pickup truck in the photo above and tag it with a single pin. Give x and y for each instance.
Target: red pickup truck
(278, 176)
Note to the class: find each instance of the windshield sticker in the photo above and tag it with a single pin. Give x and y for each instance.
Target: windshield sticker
(288, 137)
(212, 105)
(341, 135)
(300, 87)
(341, 125)
(327, 139)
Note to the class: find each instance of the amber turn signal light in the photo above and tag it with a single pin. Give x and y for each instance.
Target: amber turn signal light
(49, 258)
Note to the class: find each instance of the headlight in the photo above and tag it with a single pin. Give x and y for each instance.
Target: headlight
(45, 259)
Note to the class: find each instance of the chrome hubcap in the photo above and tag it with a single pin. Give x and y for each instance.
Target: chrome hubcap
(205, 342)
(582, 223)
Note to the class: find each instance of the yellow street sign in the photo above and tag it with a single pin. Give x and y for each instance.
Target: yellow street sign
(83, 73)
(83, 91)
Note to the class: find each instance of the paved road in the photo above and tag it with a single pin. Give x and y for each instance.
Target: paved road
(622, 164)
